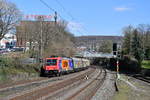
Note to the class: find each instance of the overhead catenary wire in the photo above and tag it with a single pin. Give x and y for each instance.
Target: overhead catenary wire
(67, 12)
(48, 6)
(70, 15)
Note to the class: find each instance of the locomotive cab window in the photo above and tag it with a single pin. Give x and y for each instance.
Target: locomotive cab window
(51, 62)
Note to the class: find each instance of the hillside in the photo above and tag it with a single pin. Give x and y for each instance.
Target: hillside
(88, 41)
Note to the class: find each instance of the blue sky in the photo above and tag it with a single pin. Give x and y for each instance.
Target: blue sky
(93, 17)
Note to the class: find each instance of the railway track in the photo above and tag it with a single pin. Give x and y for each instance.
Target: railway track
(40, 92)
(5, 87)
(63, 93)
(142, 78)
(89, 90)
(21, 82)
(81, 89)
(24, 85)
(83, 84)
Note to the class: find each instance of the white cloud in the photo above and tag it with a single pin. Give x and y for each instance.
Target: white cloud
(121, 9)
(75, 27)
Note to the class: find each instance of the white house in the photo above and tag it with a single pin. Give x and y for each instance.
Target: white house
(8, 41)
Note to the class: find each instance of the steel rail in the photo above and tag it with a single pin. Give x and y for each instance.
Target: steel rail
(93, 91)
(39, 93)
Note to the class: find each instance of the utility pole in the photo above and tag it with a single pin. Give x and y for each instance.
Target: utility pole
(55, 17)
(41, 40)
(41, 37)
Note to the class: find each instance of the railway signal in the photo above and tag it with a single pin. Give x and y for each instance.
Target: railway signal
(117, 54)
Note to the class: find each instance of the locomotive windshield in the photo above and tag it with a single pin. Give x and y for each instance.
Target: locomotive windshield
(51, 62)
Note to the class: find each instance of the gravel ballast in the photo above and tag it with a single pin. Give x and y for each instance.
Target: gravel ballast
(107, 90)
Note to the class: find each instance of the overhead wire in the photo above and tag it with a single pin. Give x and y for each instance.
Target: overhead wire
(67, 12)
(48, 6)
(70, 15)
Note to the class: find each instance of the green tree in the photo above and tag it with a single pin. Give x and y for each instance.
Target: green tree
(147, 45)
(136, 46)
(144, 30)
(127, 39)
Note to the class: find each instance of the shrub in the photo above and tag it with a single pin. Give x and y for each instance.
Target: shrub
(6, 62)
(9, 66)
(129, 64)
(126, 64)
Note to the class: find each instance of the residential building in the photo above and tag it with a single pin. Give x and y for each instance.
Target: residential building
(9, 41)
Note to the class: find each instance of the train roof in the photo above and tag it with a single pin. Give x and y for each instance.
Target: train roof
(58, 58)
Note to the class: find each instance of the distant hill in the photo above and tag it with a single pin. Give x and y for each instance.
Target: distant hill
(89, 41)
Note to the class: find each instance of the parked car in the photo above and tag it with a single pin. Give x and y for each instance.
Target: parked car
(17, 49)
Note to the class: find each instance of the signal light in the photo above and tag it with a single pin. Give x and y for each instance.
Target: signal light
(114, 46)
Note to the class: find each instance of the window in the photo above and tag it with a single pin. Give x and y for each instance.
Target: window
(51, 62)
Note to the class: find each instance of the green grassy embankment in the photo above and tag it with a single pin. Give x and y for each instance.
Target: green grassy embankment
(136, 90)
(12, 69)
(146, 64)
(123, 93)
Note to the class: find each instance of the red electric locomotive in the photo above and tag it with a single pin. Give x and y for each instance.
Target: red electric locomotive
(56, 66)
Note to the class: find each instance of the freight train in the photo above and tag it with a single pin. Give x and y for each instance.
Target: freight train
(59, 65)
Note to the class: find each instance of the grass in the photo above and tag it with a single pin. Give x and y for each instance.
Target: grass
(5, 73)
(3, 76)
(10, 66)
(146, 64)
(127, 92)
(123, 93)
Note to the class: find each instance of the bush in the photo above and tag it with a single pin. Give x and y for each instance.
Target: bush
(130, 64)
(10, 66)
(126, 64)
(5, 62)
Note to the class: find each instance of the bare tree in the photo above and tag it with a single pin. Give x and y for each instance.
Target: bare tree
(9, 17)
(60, 41)
(106, 46)
(51, 38)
